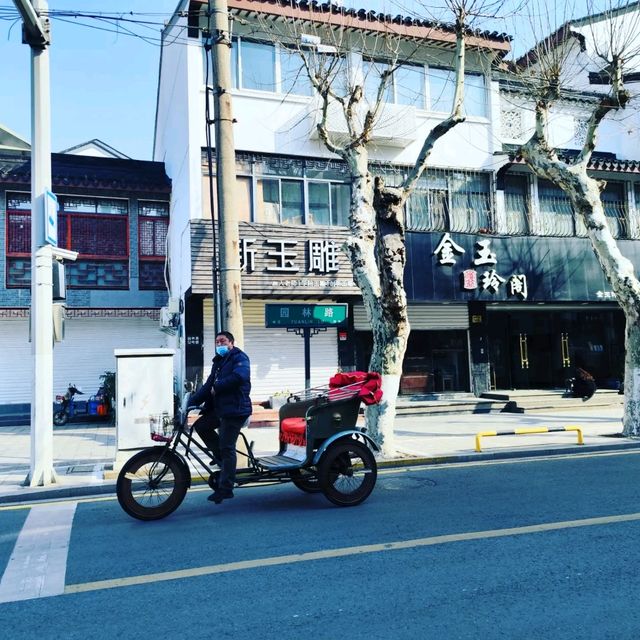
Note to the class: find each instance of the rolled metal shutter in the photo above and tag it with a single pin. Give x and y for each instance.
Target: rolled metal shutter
(16, 372)
(85, 353)
(423, 317)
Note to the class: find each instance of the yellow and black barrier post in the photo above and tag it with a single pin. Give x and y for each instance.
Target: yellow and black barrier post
(520, 432)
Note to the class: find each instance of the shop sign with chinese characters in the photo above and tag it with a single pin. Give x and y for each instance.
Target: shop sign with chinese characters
(296, 263)
(448, 252)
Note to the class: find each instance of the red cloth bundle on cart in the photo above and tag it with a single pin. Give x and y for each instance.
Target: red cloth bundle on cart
(369, 391)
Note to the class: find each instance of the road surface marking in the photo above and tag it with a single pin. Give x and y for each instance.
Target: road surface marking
(38, 564)
(343, 552)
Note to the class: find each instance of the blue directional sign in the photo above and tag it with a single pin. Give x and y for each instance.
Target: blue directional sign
(50, 218)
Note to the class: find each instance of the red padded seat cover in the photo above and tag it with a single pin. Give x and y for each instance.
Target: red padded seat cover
(294, 431)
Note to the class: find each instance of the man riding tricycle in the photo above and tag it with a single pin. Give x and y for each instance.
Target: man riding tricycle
(321, 450)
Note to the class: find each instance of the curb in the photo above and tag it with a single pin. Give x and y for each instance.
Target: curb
(507, 454)
(81, 491)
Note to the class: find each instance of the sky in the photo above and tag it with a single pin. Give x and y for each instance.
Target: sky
(104, 82)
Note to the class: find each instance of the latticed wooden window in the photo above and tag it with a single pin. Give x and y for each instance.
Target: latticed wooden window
(94, 227)
(18, 224)
(97, 228)
(153, 226)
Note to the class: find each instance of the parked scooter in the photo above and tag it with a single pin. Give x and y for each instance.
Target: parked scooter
(98, 406)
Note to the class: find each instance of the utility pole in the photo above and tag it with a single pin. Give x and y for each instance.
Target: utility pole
(43, 215)
(228, 236)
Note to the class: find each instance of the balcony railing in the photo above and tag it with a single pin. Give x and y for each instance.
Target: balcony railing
(435, 210)
(557, 218)
(516, 214)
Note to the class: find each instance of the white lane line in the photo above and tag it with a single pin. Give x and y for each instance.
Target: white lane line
(38, 564)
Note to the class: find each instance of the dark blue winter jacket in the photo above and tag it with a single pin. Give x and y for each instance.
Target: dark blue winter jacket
(230, 378)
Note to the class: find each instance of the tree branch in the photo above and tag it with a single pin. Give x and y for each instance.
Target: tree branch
(617, 99)
(449, 123)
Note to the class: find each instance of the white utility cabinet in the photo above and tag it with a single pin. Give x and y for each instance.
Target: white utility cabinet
(144, 387)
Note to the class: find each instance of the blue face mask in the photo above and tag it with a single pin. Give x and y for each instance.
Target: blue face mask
(222, 350)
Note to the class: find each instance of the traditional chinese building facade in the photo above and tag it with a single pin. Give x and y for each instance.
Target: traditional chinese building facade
(115, 213)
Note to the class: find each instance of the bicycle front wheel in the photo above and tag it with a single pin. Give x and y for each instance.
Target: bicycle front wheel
(152, 484)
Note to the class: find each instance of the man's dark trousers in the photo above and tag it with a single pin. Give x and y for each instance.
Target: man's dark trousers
(222, 444)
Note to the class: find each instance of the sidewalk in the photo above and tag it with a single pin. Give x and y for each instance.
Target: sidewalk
(83, 452)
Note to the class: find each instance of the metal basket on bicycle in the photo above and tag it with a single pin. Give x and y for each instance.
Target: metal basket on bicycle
(162, 427)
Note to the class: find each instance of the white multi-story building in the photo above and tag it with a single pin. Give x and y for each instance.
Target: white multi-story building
(472, 315)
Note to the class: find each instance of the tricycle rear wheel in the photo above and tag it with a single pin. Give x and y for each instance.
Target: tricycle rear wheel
(347, 473)
(152, 484)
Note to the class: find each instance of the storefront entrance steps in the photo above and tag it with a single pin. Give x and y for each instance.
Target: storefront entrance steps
(466, 403)
(509, 400)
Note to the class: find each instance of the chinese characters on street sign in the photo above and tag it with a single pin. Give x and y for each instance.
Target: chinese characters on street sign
(305, 315)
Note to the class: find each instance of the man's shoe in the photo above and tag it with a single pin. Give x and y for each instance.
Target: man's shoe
(218, 496)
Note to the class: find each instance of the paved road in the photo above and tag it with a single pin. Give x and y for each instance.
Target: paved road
(545, 548)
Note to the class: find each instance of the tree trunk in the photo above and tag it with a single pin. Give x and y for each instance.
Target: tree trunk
(377, 253)
(584, 193)
(620, 274)
(631, 419)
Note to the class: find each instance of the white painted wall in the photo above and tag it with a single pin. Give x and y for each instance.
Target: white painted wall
(177, 145)
(269, 123)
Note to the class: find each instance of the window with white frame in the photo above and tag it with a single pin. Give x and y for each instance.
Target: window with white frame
(294, 78)
(405, 86)
(408, 83)
(298, 201)
(254, 65)
(264, 66)
(442, 86)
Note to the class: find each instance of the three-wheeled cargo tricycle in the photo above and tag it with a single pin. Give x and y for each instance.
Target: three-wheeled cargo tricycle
(322, 449)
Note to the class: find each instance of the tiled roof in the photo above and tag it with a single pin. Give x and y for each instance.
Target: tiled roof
(598, 162)
(360, 18)
(88, 172)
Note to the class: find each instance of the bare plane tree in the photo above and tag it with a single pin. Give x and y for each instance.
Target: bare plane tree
(610, 40)
(376, 243)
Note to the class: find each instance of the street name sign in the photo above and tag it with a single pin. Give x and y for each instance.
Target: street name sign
(305, 315)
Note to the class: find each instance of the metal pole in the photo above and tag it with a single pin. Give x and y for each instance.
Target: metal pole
(36, 34)
(306, 334)
(229, 240)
